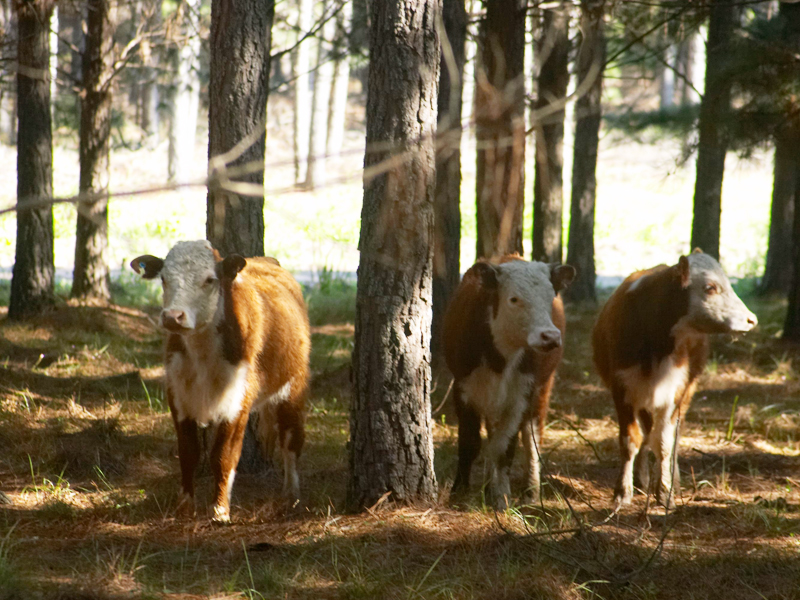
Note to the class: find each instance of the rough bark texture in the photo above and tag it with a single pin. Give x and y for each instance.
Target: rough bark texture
(447, 209)
(34, 273)
(241, 35)
(91, 275)
(588, 114)
(186, 97)
(548, 195)
(777, 277)
(241, 39)
(302, 93)
(391, 443)
(323, 79)
(714, 112)
(500, 117)
(791, 328)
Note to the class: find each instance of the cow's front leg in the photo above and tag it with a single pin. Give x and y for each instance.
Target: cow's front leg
(189, 456)
(469, 439)
(501, 476)
(665, 447)
(531, 442)
(224, 458)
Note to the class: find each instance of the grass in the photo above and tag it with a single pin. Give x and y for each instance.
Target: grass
(91, 471)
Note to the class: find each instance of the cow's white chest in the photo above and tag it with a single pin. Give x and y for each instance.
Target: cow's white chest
(207, 391)
(498, 397)
(658, 391)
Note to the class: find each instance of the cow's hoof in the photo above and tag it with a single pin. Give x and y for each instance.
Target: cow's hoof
(622, 499)
(185, 508)
(222, 516)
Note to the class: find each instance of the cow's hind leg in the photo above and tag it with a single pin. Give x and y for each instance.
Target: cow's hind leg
(469, 439)
(224, 458)
(291, 434)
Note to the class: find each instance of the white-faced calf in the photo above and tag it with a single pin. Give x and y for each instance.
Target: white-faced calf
(503, 339)
(237, 340)
(650, 347)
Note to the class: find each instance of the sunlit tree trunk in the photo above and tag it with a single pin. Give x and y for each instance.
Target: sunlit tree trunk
(714, 112)
(341, 81)
(548, 194)
(447, 210)
(588, 115)
(391, 442)
(778, 271)
(302, 93)
(500, 116)
(32, 281)
(150, 120)
(323, 79)
(91, 276)
(8, 47)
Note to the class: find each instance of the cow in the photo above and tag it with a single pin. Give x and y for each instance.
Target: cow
(503, 337)
(237, 341)
(650, 346)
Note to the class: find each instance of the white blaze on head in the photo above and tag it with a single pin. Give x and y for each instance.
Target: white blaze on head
(191, 286)
(713, 305)
(524, 309)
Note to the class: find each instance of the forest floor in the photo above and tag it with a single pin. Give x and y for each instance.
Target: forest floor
(88, 462)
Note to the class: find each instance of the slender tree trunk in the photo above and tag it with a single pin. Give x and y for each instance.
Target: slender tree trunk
(32, 282)
(687, 55)
(323, 79)
(391, 442)
(186, 98)
(667, 83)
(70, 44)
(714, 113)
(302, 93)
(341, 81)
(588, 114)
(91, 276)
(777, 277)
(500, 108)
(447, 209)
(8, 47)
(548, 194)
(150, 97)
(791, 327)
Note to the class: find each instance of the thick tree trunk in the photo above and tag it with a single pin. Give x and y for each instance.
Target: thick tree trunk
(91, 276)
(548, 195)
(32, 282)
(241, 40)
(588, 114)
(714, 112)
(323, 80)
(447, 201)
(341, 81)
(500, 116)
(779, 268)
(791, 328)
(391, 442)
(186, 98)
(302, 93)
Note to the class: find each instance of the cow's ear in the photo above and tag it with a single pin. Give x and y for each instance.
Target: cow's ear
(229, 268)
(697, 251)
(272, 260)
(147, 266)
(561, 276)
(684, 272)
(487, 273)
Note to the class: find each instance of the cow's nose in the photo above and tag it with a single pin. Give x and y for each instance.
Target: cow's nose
(547, 340)
(173, 320)
(752, 320)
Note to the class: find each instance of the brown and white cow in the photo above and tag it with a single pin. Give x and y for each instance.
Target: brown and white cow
(650, 347)
(503, 339)
(237, 340)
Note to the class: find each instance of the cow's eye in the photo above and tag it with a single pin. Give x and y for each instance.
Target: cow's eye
(209, 280)
(711, 288)
(513, 299)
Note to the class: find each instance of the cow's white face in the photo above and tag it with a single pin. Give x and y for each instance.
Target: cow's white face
(524, 309)
(190, 283)
(713, 305)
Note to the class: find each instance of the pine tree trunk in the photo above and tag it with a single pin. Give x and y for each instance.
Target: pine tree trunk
(447, 201)
(341, 82)
(588, 114)
(91, 275)
(548, 194)
(391, 442)
(500, 116)
(323, 79)
(186, 98)
(70, 36)
(32, 282)
(778, 270)
(150, 121)
(713, 145)
(666, 90)
(302, 93)
(8, 48)
(791, 328)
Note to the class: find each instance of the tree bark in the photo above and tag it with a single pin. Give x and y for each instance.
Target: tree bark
(341, 81)
(32, 281)
(778, 271)
(447, 202)
(91, 275)
(500, 116)
(391, 442)
(186, 98)
(714, 113)
(791, 327)
(302, 94)
(323, 80)
(588, 114)
(8, 47)
(548, 194)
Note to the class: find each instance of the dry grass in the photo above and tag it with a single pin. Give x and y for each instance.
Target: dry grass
(89, 463)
